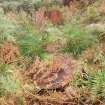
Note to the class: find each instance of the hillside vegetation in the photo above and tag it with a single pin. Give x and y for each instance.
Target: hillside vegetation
(52, 52)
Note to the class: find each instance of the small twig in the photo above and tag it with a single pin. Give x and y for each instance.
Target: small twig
(100, 101)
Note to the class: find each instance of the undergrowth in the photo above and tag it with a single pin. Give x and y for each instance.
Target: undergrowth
(7, 28)
(79, 39)
(78, 32)
(7, 83)
(92, 80)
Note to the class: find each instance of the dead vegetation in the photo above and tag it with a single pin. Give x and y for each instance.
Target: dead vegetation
(56, 74)
(55, 54)
(8, 52)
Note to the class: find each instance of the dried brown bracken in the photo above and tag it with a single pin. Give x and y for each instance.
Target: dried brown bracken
(39, 18)
(69, 97)
(53, 47)
(55, 16)
(102, 48)
(55, 74)
(88, 55)
(8, 52)
(102, 9)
